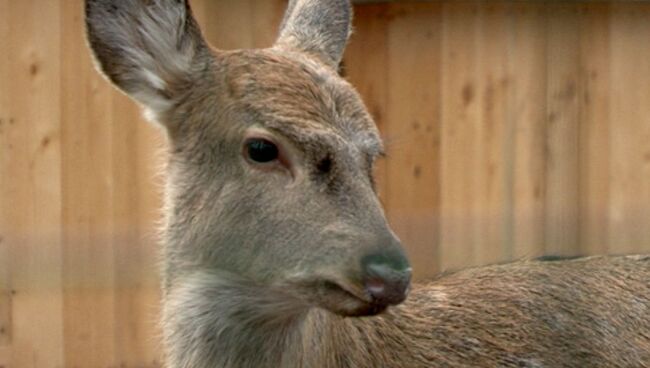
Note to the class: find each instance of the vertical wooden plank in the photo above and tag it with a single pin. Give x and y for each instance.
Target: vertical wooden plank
(136, 200)
(460, 112)
(128, 251)
(31, 198)
(630, 131)
(5, 316)
(366, 67)
(494, 154)
(561, 222)
(236, 24)
(5, 309)
(644, 134)
(150, 155)
(266, 18)
(229, 23)
(5, 283)
(88, 263)
(199, 12)
(412, 131)
(5, 357)
(528, 65)
(595, 128)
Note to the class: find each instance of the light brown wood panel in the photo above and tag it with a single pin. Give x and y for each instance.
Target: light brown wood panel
(595, 128)
(267, 16)
(5, 357)
(544, 177)
(232, 31)
(31, 188)
(413, 131)
(527, 63)
(136, 196)
(88, 199)
(562, 129)
(630, 114)
(460, 120)
(248, 24)
(492, 208)
(5, 317)
(5, 284)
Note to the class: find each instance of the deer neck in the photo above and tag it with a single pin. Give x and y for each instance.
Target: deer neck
(225, 322)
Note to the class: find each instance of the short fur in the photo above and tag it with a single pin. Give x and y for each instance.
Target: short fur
(264, 263)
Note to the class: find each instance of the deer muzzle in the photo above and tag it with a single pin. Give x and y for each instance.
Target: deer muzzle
(386, 276)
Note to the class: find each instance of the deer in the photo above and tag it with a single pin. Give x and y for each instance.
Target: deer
(276, 251)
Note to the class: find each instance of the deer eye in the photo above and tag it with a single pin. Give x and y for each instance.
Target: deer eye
(261, 150)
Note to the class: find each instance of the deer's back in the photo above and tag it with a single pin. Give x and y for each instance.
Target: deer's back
(589, 312)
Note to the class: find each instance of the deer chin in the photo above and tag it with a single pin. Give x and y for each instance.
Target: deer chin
(337, 296)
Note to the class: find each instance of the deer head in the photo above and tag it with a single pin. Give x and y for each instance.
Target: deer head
(271, 152)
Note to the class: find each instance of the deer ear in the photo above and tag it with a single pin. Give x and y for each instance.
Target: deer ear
(152, 50)
(317, 27)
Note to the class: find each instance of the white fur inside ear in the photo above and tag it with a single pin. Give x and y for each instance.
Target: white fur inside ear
(154, 103)
(153, 79)
(152, 98)
(162, 32)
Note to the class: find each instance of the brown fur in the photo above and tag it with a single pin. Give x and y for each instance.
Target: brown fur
(269, 265)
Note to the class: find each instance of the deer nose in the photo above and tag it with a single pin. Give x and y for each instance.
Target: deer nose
(386, 277)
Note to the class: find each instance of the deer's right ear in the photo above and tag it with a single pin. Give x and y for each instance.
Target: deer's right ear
(152, 50)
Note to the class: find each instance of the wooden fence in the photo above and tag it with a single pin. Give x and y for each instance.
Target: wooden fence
(514, 129)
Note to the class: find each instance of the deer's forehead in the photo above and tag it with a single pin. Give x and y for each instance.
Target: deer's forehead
(299, 93)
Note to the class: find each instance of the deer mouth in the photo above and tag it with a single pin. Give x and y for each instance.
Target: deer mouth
(348, 302)
(337, 296)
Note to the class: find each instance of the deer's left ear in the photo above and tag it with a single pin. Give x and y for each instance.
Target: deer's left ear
(152, 50)
(320, 28)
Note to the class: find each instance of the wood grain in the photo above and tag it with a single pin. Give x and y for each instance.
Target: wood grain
(527, 103)
(562, 129)
(248, 24)
(595, 128)
(88, 199)
(492, 208)
(31, 164)
(413, 131)
(5, 273)
(630, 183)
(460, 119)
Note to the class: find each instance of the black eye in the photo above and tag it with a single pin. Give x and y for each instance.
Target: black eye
(261, 150)
(324, 166)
